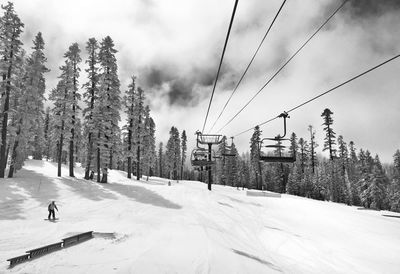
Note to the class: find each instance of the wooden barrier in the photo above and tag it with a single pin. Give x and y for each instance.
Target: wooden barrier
(37, 252)
(44, 249)
(19, 259)
(77, 238)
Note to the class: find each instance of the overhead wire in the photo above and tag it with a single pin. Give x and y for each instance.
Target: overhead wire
(220, 62)
(284, 65)
(324, 93)
(249, 64)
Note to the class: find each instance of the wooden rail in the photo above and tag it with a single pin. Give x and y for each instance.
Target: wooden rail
(19, 259)
(37, 252)
(77, 238)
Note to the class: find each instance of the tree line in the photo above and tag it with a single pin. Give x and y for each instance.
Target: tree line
(350, 175)
(81, 126)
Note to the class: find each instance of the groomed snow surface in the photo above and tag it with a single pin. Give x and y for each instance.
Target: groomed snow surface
(150, 227)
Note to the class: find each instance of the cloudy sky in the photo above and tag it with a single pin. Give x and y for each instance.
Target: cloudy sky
(174, 46)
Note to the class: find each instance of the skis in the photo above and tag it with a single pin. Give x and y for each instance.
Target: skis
(51, 220)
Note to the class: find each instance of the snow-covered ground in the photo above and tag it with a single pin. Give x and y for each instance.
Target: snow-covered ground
(184, 228)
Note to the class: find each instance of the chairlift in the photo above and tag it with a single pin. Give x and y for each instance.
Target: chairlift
(281, 157)
(201, 157)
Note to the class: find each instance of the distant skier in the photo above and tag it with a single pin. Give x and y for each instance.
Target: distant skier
(51, 208)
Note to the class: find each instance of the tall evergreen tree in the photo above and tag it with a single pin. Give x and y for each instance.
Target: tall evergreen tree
(30, 105)
(313, 146)
(73, 58)
(161, 160)
(62, 111)
(108, 106)
(394, 194)
(90, 96)
(173, 153)
(184, 149)
(129, 101)
(255, 156)
(139, 128)
(330, 134)
(149, 143)
(11, 46)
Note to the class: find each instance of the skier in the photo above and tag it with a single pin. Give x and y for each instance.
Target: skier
(51, 208)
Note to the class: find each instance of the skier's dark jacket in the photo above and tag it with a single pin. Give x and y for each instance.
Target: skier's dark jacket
(52, 206)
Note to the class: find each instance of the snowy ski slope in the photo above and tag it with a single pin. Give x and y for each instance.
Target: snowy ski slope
(150, 227)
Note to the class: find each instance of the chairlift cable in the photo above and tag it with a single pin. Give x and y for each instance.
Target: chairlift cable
(284, 65)
(248, 66)
(326, 92)
(220, 62)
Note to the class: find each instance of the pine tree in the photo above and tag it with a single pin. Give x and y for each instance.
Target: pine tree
(108, 107)
(184, 149)
(29, 108)
(330, 134)
(139, 128)
(20, 124)
(295, 177)
(149, 143)
(313, 146)
(73, 58)
(129, 101)
(232, 167)
(11, 46)
(293, 148)
(161, 160)
(221, 168)
(173, 153)
(62, 111)
(47, 151)
(394, 194)
(255, 156)
(90, 98)
(303, 154)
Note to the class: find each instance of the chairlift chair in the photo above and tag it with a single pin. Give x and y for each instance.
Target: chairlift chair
(282, 157)
(200, 157)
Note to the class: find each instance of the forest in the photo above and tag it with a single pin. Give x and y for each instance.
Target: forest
(83, 126)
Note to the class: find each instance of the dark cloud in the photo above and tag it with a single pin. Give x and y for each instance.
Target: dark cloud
(182, 89)
(368, 8)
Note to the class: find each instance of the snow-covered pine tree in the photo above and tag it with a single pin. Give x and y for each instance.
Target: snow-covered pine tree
(73, 58)
(232, 167)
(330, 134)
(149, 143)
(255, 156)
(303, 154)
(108, 107)
(30, 106)
(62, 111)
(394, 194)
(313, 146)
(295, 177)
(221, 164)
(184, 149)
(139, 129)
(11, 46)
(161, 160)
(353, 174)
(293, 148)
(18, 129)
(47, 147)
(129, 103)
(173, 153)
(91, 96)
